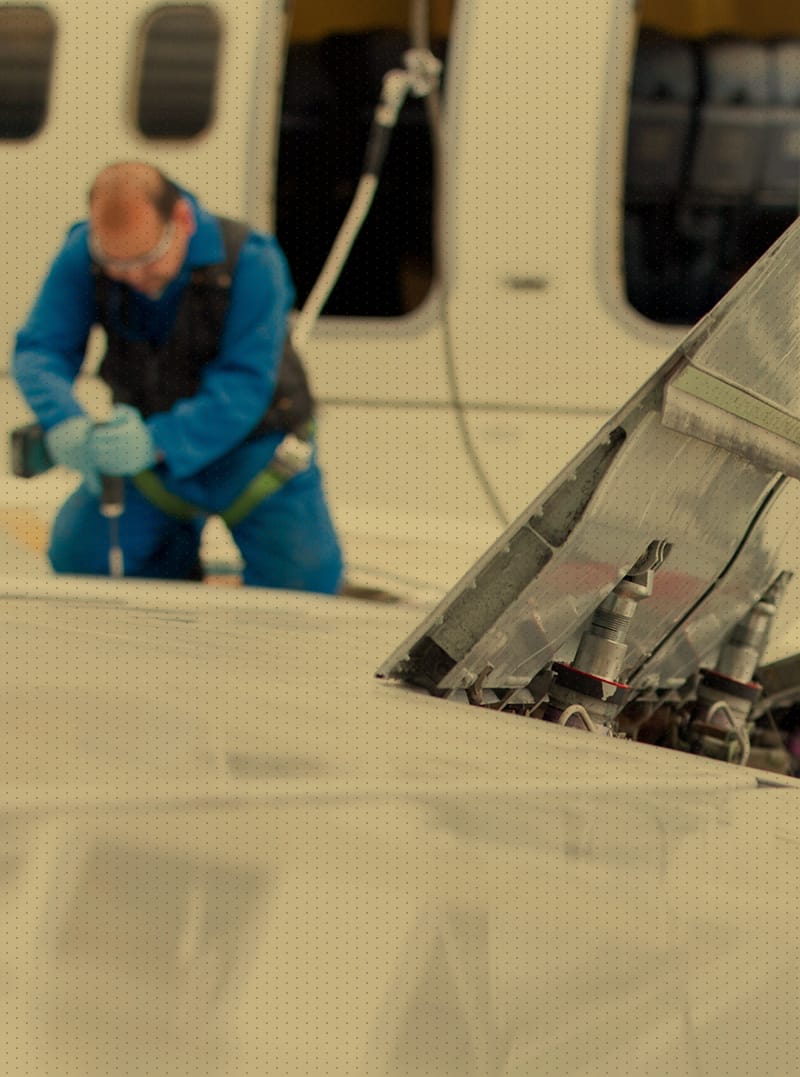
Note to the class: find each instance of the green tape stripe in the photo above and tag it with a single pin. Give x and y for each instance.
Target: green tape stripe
(263, 485)
(150, 486)
(266, 483)
(737, 402)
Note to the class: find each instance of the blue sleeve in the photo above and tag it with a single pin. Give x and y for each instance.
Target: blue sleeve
(51, 345)
(238, 384)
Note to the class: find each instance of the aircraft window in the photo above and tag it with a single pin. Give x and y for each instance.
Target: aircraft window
(178, 72)
(331, 86)
(713, 165)
(26, 55)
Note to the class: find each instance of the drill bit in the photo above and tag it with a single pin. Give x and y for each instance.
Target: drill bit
(112, 504)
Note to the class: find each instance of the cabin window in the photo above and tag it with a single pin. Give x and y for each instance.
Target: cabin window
(178, 72)
(27, 35)
(337, 56)
(713, 153)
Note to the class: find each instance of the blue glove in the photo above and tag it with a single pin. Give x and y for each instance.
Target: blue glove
(123, 445)
(69, 445)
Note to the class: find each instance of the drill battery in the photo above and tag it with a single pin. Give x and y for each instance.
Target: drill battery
(29, 455)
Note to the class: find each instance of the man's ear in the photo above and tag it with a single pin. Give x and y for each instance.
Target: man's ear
(183, 215)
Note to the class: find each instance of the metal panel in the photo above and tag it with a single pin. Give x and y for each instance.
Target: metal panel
(662, 468)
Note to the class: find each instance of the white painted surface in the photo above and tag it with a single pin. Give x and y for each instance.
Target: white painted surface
(229, 849)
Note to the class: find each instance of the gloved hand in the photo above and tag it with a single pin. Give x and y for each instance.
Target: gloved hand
(123, 445)
(69, 444)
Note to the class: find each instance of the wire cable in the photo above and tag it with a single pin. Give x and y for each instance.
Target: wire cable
(420, 38)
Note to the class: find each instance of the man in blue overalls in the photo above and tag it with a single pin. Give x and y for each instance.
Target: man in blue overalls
(207, 393)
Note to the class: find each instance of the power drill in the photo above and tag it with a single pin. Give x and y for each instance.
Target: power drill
(29, 457)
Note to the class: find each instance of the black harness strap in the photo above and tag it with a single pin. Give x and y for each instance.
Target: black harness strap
(153, 374)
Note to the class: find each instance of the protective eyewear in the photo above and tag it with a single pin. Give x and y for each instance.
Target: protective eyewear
(125, 265)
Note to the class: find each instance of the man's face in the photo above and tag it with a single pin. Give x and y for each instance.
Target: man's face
(137, 246)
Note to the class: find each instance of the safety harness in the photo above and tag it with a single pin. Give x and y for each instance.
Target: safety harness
(152, 377)
(292, 456)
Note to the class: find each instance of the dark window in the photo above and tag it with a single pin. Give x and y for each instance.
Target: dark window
(178, 72)
(331, 87)
(26, 57)
(713, 166)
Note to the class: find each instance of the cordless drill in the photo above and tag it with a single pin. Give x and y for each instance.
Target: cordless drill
(29, 457)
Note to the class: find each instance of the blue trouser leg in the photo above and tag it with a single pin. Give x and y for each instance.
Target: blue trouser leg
(288, 540)
(154, 546)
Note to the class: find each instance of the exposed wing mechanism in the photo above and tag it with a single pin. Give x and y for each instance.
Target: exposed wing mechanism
(651, 568)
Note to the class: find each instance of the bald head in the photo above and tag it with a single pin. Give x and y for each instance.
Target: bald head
(124, 184)
(140, 225)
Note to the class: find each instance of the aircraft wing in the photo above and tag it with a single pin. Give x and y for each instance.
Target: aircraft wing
(229, 849)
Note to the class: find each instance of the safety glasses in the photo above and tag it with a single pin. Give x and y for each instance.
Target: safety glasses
(125, 265)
